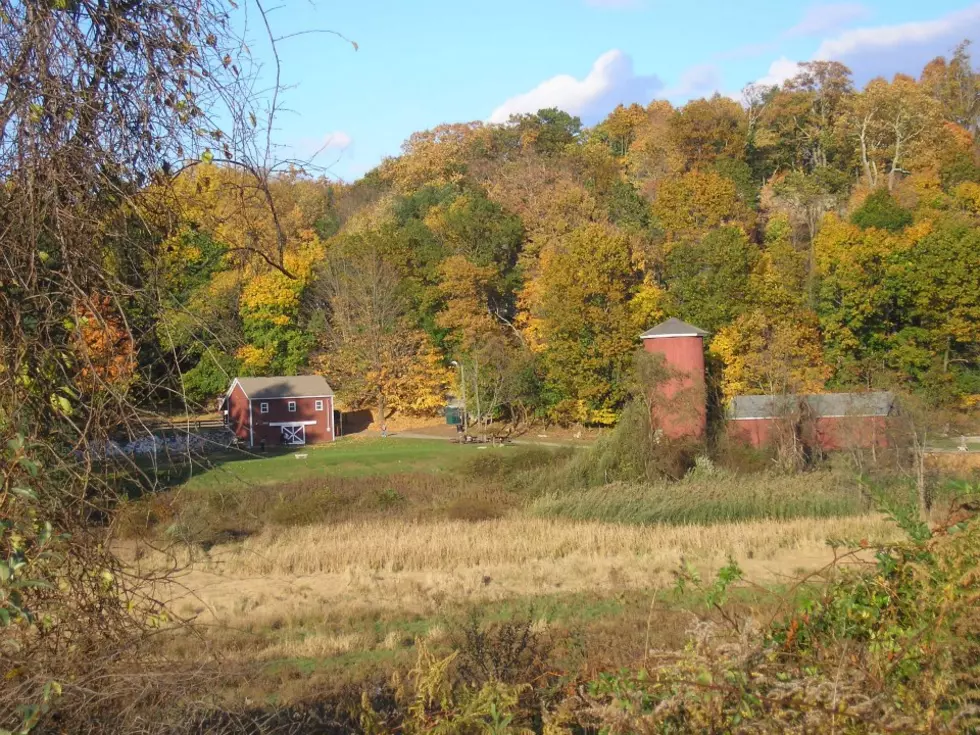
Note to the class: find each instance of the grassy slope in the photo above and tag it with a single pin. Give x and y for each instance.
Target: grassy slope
(345, 458)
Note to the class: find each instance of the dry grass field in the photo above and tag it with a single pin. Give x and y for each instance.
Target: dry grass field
(323, 591)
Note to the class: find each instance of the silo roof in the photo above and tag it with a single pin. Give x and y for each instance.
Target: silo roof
(673, 328)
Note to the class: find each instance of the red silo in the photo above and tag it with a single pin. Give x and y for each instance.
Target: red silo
(683, 411)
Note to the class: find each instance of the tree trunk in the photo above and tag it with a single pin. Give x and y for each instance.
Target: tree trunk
(895, 159)
(476, 386)
(865, 164)
(920, 484)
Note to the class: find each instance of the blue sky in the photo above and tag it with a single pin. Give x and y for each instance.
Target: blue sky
(425, 62)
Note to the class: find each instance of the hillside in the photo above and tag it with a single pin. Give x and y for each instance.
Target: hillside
(826, 237)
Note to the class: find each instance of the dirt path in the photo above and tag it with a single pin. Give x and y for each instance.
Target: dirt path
(521, 442)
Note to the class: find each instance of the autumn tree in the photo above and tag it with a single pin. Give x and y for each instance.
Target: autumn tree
(856, 306)
(765, 354)
(621, 127)
(708, 278)
(548, 131)
(707, 129)
(937, 284)
(653, 156)
(806, 198)
(696, 202)
(955, 86)
(587, 321)
(826, 88)
(890, 120)
(371, 348)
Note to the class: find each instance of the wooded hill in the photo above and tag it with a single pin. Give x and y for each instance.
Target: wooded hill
(827, 237)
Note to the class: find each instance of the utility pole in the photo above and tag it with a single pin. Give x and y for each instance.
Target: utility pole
(462, 385)
(476, 386)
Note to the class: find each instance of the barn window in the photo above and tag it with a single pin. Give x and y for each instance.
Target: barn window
(292, 407)
(319, 405)
(263, 408)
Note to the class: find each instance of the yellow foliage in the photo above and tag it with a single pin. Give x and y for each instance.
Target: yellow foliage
(464, 286)
(403, 367)
(647, 304)
(274, 296)
(255, 360)
(696, 202)
(968, 196)
(434, 156)
(766, 355)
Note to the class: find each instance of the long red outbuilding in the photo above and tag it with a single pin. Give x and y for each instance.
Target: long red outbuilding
(829, 421)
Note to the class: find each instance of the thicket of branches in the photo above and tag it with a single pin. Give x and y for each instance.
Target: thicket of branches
(101, 102)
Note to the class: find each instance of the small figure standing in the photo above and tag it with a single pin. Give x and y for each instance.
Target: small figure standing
(384, 431)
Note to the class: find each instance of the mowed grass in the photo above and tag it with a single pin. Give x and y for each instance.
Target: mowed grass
(343, 458)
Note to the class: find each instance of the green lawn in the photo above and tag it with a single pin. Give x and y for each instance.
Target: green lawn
(344, 458)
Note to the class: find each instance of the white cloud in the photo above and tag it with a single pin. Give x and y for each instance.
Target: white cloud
(328, 147)
(827, 18)
(906, 47)
(889, 49)
(337, 140)
(779, 71)
(696, 81)
(611, 81)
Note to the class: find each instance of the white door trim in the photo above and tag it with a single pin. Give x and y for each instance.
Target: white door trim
(294, 436)
(292, 423)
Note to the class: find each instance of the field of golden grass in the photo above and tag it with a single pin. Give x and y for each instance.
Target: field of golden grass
(319, 591)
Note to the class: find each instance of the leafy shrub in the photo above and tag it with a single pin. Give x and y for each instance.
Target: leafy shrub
(500, 465)
(470, 508)
(209, 378)
(510, 651)
(632, 452)
(880, 210)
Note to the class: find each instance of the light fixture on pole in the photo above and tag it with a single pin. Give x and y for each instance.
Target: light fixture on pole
(462, 385)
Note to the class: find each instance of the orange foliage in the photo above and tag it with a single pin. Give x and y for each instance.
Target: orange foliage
(105, 348)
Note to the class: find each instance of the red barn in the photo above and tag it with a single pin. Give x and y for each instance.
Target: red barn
(830, 421)
(284, 411)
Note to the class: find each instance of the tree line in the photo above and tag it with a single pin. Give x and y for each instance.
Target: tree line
(826, 236)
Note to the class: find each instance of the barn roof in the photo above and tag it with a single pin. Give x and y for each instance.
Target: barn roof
(821, 405)
(286, 386)
(673, 328)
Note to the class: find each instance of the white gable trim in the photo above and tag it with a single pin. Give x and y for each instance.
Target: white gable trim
(232, 388)
(663, 336)
(279, 398)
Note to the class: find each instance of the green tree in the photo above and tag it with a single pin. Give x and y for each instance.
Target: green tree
(548, 131)
(587, 325)
(881, 210)
(708, 278)
(937, 285)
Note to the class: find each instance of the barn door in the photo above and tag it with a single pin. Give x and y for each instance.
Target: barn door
(294, 435)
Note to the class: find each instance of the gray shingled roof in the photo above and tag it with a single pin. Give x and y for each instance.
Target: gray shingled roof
(287, 386)
(673, 328)
(823, 405)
